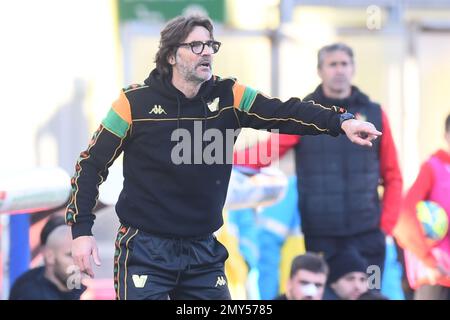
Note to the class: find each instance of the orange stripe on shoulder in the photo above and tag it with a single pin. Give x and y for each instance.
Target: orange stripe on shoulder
(238, 92)
(122, 107)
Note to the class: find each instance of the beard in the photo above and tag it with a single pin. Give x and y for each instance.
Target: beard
(191, 73)
(61, 275)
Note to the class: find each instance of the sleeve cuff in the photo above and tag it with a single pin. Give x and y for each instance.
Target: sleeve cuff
(335, 125)
(81, 229)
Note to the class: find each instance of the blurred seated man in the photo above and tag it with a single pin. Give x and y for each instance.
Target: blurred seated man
(307, 279)
(57, 279)
(348, 278)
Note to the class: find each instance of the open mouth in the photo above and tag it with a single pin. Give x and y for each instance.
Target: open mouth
(205, 64)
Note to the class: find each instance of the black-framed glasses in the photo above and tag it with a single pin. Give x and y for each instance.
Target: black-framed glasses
(197, 47)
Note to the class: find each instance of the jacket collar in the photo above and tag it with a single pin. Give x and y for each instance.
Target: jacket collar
(356, 97)
(165, 87)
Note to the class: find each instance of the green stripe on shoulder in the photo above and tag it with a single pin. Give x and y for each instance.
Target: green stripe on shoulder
(248, 98)
(114, 123)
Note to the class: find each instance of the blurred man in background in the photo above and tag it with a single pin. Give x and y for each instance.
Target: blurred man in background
(348, 278)
(307, 279)
(338, 181)
(57, 279)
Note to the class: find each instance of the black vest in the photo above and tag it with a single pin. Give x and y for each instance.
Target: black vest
(338, 180)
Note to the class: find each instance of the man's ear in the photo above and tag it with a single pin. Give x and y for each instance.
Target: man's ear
(171, 59)
(49, 257)
(319, 72)
(288, 289)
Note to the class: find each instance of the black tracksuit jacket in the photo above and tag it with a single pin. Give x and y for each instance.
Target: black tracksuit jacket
(167, 189)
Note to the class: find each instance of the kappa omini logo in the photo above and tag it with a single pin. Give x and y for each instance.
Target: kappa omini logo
(221, 281)
(157, 109)
(214, 105)
(139, 281)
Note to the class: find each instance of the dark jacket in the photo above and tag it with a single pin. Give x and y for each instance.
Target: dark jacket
(330, 294)
(337, 179)
(162, 194)
(33, 285)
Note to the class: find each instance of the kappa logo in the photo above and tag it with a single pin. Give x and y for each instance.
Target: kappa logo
(139, 281)
(157, 109)
(221, 281)
(214, 105)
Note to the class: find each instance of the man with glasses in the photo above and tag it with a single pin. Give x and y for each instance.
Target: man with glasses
(177, 166)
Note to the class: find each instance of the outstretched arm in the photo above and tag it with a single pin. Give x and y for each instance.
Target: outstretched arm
(275, 147)
(295, 116)
(360, 132)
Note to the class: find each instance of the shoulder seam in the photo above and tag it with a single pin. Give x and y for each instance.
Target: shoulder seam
(134, 89)
(228, 78)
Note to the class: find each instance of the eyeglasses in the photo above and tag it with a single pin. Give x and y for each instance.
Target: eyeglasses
(197, 47)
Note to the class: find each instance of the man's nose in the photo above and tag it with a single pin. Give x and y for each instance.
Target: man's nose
(207, 51)
(339, 68)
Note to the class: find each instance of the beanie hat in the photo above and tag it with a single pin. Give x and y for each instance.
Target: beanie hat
(345, 262)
